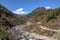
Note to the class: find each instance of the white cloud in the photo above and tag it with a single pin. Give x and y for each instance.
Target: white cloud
(48, 7)
(20, 11)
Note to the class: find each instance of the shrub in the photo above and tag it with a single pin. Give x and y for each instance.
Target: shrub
(51, 15)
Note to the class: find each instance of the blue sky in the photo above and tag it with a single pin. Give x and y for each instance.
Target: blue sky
(29, 5)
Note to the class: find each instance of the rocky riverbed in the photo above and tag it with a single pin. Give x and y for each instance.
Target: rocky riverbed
(27, 35)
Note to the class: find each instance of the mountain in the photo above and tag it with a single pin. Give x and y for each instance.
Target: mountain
(44, 22)
(47, 17)
(8, 20)
(41, 21)
(37, 12)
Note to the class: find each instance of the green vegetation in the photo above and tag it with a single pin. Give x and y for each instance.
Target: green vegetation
(48, 14)
(3, 35)
(3, 9)
(47, 17)
(10, 19)
(7, 21)
(53, 14)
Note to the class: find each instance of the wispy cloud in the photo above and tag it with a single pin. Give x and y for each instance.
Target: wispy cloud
(48, 7)
(20, 11)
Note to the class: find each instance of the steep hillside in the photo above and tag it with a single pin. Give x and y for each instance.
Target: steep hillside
(38, 14)
(41, 21)
(47, 24)
(7, 21)
(53, 19)
(46, 17)
(7, 18)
